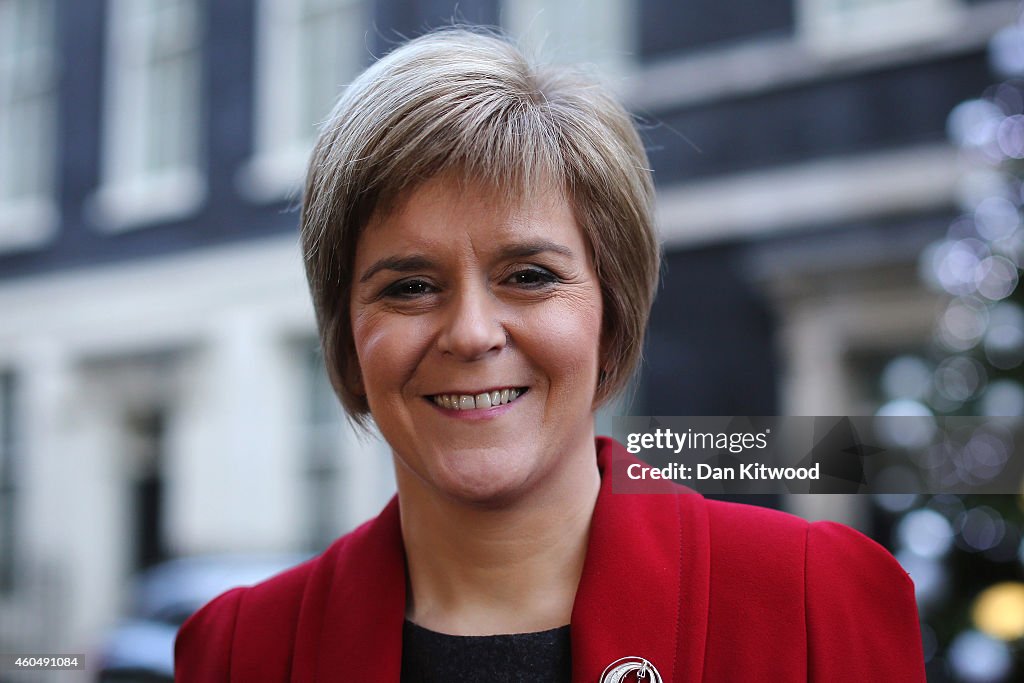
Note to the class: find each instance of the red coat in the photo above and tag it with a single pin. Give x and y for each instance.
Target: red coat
(704, 590)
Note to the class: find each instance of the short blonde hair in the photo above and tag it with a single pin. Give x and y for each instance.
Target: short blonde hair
(468, 102)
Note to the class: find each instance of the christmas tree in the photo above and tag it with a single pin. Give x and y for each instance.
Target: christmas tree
(965, 552)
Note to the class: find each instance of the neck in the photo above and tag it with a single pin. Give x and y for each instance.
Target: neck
(509, 568)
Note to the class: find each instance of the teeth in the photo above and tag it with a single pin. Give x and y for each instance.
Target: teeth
(484, 400)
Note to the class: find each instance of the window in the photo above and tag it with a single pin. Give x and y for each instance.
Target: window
(152, 117)
(8, 510)
(348, 475)
(324, 424)
(146, 431)
(595, 32)
(28, 213)
(848, 27)
(307, 50)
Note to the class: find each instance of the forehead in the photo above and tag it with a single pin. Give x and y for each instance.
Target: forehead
(444, 209)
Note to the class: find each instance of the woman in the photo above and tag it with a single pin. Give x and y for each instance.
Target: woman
(479, 247)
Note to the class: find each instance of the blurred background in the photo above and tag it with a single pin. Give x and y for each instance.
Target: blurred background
(839, 191)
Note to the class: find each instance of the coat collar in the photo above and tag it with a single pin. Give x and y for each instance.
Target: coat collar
(643, 591)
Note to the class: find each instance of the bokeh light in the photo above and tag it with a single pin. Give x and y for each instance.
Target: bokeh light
(973, 123)
(895, 503)
(999, 610)
(925, 533)
(980, 528)
(964, 321)
(979, 658)
(985, 454)
(1010, 136)
(997, 217)
(1004, 397)
(913, 426)
(958, 378)
(930, 577)
(908, 377)
(956, 263)
(1010, 247)
(1004, 337)
(995, 277)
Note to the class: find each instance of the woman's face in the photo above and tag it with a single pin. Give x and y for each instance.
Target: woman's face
(477, 331)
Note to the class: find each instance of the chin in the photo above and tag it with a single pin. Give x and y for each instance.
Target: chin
(494, 480)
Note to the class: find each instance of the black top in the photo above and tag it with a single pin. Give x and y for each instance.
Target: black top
(431, 657)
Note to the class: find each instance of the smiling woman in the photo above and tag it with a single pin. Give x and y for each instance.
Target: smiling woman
(499, 299)
(479, 246)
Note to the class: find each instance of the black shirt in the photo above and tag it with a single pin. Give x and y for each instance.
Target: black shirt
(431, 657)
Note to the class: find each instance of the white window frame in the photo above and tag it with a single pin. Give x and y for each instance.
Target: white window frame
(598, 33)
(325, 469)
(30, 220)
(848, 28)
(279, 159)
(131, 197)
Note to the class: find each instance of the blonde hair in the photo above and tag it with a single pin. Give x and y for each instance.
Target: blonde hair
(467, 102)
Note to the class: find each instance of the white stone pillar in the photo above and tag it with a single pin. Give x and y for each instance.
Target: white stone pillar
(234, 448)
(814, 384)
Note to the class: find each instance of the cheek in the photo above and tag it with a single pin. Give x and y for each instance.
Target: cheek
(569, 337)
(386, 352)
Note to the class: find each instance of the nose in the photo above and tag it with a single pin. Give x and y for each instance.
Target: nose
(472, 326)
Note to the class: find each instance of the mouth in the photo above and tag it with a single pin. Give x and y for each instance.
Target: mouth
(486, 399)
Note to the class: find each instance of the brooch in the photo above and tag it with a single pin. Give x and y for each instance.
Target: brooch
(617, 671)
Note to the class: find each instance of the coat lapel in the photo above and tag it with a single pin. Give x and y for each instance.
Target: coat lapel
(645, 582)
(363, 606)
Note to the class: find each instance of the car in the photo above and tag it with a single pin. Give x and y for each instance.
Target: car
(140, 647)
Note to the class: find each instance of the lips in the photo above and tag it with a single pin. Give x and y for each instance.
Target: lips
(483, 400)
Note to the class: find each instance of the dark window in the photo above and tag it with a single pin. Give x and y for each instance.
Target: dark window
(147, 429)
(669, 27)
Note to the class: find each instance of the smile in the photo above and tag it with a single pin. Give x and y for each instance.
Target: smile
(487, 399)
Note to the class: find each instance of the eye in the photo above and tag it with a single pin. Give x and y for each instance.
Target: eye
(533, 278)
(408, 289)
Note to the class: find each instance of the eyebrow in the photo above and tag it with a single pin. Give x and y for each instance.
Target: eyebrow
(414, 263)
(399, 264)
(525, 249)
